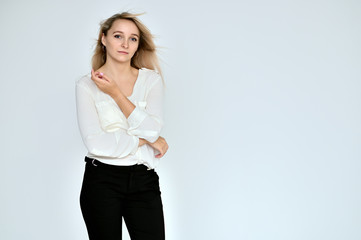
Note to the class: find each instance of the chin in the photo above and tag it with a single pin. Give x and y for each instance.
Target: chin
(122, 60)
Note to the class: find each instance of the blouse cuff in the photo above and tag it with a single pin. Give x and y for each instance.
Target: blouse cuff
(136, 118)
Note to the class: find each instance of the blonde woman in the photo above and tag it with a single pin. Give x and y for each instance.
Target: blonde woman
(119, 110)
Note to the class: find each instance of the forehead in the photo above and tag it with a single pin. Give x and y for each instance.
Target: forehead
(124, 25)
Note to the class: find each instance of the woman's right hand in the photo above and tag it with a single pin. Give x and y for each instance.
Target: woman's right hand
(160, 145)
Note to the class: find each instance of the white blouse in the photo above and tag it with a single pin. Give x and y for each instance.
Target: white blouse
(108, 135)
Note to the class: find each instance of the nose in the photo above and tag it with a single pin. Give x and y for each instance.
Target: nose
(125, 44)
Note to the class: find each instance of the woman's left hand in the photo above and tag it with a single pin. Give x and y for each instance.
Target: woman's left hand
(104, 83)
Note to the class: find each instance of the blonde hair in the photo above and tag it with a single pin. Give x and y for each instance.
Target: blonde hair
(145, 56)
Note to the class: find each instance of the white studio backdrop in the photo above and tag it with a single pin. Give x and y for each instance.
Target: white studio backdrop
(262, 117)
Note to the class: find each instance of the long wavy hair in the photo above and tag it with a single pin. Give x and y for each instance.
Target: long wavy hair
(146, 54)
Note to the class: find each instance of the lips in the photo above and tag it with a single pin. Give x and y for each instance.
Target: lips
(122, 52)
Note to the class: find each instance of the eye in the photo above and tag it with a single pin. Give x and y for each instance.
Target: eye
(134, 39)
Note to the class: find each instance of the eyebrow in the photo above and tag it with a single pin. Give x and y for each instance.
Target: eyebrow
(130, 34)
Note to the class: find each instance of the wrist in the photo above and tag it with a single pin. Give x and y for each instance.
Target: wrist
(142, 141)
(116, 93)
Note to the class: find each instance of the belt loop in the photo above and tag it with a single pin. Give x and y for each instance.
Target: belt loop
(93, 162)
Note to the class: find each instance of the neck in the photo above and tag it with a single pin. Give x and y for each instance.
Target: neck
(118, 71)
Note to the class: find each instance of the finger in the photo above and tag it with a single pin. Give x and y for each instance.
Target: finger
(94, 78)
(92, 73)
(100, 75)
(162, 153)
(105, 77)
(159, 155)
(165, 147)
(95, 75)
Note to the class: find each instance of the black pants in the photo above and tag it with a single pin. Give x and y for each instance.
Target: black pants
(110, 193)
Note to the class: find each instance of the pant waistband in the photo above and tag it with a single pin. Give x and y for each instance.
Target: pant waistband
(97, 163)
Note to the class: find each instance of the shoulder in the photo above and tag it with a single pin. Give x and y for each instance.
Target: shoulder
(85, 82)
(151, 76)
(150, 72)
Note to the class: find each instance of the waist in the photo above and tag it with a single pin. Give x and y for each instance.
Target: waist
(131, 168)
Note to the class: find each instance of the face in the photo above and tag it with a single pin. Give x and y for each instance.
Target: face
(122, 40)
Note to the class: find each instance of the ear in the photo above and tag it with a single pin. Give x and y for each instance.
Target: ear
(103, 40)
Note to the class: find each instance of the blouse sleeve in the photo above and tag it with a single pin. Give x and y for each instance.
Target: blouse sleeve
(147, 122)
(115, 144)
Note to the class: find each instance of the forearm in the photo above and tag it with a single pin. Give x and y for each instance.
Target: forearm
(144, 120)
(98, 142)
(123, 102)
(142, 141)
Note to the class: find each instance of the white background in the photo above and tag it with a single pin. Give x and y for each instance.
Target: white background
(262, 117)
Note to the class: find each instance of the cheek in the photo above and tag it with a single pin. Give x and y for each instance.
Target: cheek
(115, 42)
(135, 47)
(136, 44)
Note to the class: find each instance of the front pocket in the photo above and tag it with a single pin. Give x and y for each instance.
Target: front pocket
(110, 116)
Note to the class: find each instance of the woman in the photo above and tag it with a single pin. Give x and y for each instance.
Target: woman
(119, 110)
